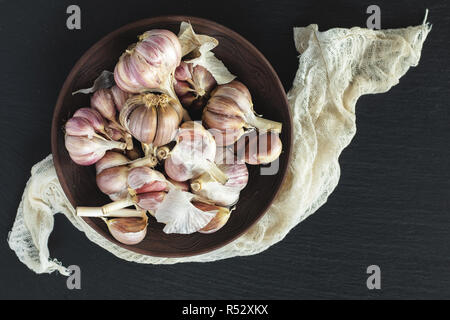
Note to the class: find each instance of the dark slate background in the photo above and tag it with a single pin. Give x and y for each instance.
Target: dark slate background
(391, 207)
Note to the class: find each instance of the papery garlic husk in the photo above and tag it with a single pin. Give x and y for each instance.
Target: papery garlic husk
(231, 108)
(223, 195)
(259, 148)
(129, 231)
(193, 85)
(152, 119)
(193, 154)
(144, 180)
(85, 151)
(150, 63)
(180, 216)
(221, 218)
(110, 160)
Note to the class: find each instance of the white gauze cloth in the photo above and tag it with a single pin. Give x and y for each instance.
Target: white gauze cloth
(336, 67)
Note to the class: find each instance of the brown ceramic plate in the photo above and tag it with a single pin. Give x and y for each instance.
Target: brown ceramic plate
(243, 60)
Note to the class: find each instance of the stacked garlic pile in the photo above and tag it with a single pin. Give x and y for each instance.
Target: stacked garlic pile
(151, 156)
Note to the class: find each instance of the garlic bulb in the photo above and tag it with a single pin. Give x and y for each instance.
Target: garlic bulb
(85, 151)
(193, 85)
(220, 219)
(259, 148)
(152, 119)
(150, 63)
(129, 231)
(193, 154)
(230, 109)
(119, 96)
(222, 194)
(102, 101)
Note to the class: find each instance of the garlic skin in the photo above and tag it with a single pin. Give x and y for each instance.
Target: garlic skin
(150, 201)
(193, 85)
(94, 118)
(113, 182)
(85, 151)
(193, 154)
(230, 109)
(150, 63)
(152, 119)
(79, 127)
(259, 148)
(144, 180)
(220, 219)
(102, 101)
(223, 195)
(129, 231)
(119, 96)
(110, 160)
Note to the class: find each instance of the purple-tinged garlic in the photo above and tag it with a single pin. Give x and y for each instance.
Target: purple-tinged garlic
(113, 182)
(230, 109)
(151, 118)
(110, 160)
(129, 231)
(193, 154)
(144, 180)
(220, 219)
(222, 194)
(85, 151)
(193, 85)
(150, 63)
(119, 96)
(259, 148)
(103, 102)
(94, 118)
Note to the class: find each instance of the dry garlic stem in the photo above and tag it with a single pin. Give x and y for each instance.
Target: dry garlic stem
(151, 118)
(230, 109)
(193, 154)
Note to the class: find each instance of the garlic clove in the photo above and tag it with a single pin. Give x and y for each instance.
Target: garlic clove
(110, 160)
(113, 180)
(140, 177)
(94, 118)
(168, 123)
(182, 72)
(119, 96)
(262, 148)
(79, 146)
(102, 101)
(176, 171)
(143, 124)
(129, 231)
(222, 122)
(227, 137)
(87, 159)
(79, 127)
(220, 219)
(150, 201)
